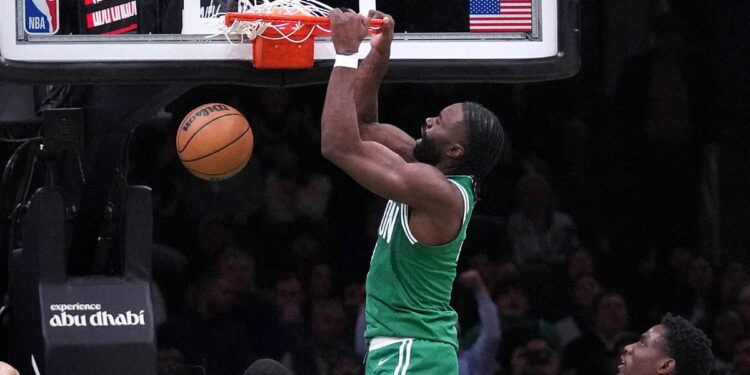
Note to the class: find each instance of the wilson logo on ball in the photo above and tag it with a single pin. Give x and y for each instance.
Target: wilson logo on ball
(203, 112)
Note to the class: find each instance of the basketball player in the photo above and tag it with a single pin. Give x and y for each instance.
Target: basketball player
(431, 184)
(673, 347)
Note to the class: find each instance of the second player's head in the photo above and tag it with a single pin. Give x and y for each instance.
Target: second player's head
(674, 347)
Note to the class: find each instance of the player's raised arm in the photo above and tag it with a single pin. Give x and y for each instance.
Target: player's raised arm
(371, 164)
(339, 130)
(369, 77)
(372, 70)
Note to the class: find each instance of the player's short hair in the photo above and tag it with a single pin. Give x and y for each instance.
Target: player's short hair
(688, 345)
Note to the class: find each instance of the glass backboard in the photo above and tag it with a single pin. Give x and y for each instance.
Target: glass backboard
(111, 41)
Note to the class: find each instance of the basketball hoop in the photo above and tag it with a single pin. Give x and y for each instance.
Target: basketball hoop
(282, 31)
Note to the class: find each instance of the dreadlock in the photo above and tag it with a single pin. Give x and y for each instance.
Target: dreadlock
(689, 346)
(485, 138)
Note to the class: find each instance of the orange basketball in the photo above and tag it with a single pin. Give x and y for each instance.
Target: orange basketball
(214, 141)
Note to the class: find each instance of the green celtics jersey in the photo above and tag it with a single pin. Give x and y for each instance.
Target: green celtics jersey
(409, 284)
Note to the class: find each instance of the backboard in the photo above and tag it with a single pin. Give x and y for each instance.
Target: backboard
(142, 41)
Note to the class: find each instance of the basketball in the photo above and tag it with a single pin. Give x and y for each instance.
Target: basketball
(214, 141)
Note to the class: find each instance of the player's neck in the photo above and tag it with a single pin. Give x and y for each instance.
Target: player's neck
(448, 167)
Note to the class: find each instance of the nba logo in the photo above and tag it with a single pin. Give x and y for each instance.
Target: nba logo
(41, 16)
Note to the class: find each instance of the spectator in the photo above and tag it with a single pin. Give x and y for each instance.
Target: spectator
(679, 261)
(170, 275)
(733, 280)
(239, 199)
(535, 357)
(590, 353)
(671, 279)
(540, 237)
(513, 305)
(347, 363)
(319, 283)
(360, 344)
(728, 329)
(157, 165)
(506, 273)
(518, 321)
(214, 234)
(581, 318)
(740, 358)
(169, 360)
(580, 263)
(289, 299)
(487, 268)
(284, 116)
(294, 253)
(478, 359)
(325, 347)
(222, 327)
(294, 192)
(354, 300)
(701, 301)
(743, 305)
(538, 232)
(239, 268)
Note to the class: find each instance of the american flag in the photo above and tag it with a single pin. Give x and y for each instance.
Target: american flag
(500, 16)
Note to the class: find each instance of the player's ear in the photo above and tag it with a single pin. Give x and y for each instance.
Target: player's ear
(667, 366)
(455, 150)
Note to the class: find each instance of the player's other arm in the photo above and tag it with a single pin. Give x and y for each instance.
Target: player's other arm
(369, 77)
(372, 70)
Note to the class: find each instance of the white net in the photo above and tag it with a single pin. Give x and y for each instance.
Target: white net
(288, 30)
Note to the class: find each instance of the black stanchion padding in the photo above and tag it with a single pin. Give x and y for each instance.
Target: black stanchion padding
(82, 325)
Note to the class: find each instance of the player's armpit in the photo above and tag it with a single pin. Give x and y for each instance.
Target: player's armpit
(388, 175)
(391, 137)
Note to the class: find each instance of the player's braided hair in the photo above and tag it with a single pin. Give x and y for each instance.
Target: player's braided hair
(485, 138)
(689, 346)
